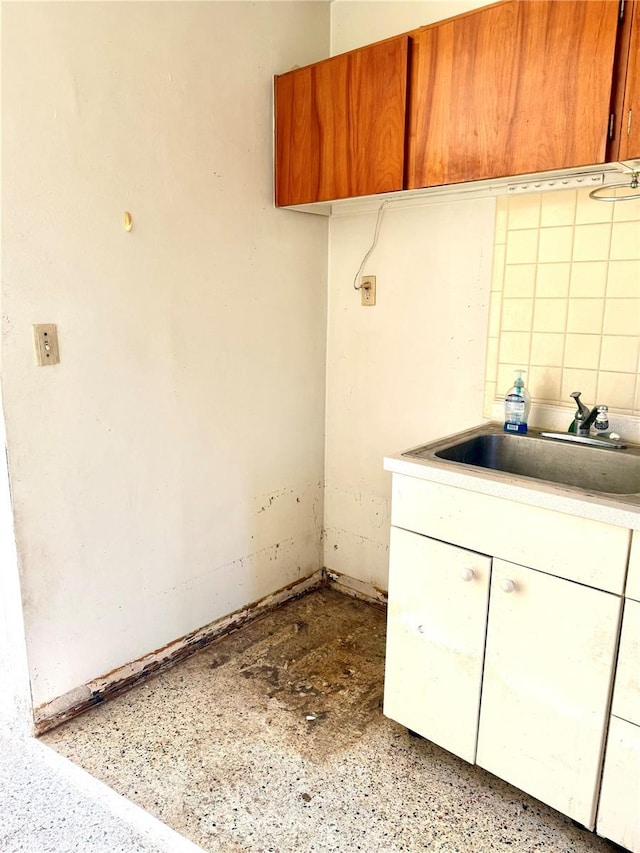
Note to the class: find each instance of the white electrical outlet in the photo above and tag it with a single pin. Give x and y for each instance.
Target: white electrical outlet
(45, 341)
(368, 289)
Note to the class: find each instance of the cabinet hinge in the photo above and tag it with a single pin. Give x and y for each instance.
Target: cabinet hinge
(612, 121)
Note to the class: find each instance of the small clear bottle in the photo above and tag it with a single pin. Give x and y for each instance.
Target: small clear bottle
(517, 404)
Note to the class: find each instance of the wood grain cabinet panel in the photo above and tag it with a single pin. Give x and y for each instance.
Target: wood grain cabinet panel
(631, 108)
(340, 125)
(627, 144)
(514, 88)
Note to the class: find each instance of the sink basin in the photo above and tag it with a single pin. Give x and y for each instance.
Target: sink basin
(599, 469)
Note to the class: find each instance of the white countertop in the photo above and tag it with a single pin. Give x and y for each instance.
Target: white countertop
(621, 510)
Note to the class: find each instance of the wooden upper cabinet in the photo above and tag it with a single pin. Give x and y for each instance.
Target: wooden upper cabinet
(340, 125)
(522, 86)
(626, 142)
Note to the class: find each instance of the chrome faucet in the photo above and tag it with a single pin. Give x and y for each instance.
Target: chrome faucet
(584, 418)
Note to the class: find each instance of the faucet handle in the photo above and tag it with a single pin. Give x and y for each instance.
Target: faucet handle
(583, 412)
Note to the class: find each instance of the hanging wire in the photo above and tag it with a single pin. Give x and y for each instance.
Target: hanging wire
(632, 186)
(376, 234)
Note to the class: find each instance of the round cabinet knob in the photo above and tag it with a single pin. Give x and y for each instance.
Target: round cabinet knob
(467, 574)
(507, 585)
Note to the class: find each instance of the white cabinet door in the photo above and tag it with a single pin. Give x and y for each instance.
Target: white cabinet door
(633, 578)
(619, 810)
(547, 683)
(435, 639)
(626, 691)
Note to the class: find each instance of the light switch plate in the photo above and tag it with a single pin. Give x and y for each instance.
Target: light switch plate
(45, 340)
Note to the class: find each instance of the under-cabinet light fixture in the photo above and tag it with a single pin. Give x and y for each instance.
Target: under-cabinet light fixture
(566, 182)
(588, 177)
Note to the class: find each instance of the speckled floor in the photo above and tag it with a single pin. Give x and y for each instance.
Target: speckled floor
(273, 740)
(48, 805)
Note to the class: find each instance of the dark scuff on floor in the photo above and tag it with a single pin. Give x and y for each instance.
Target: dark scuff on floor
(325, 668)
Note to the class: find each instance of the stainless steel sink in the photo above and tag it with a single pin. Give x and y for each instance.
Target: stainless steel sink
(595, 469)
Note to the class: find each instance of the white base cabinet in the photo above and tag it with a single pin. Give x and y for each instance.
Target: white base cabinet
(503, 628)
(550, 651)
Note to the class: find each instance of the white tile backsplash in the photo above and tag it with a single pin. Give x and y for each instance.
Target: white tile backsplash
(566, 300)
(555, 244)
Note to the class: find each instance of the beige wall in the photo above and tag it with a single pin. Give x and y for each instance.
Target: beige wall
(358, 22)
(405, 371)
(565, 302)
(15, 699)
(169, 469)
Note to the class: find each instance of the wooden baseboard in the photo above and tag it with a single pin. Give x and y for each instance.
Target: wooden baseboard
(356, 588)
(111, 684)
(118, 681)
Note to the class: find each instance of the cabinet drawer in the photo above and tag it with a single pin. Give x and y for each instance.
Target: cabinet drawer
(626, 694)
(589, 552)
(619, 810)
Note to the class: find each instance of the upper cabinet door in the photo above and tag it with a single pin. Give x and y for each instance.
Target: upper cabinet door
(627, 144)
(519, 87)
(340, 125)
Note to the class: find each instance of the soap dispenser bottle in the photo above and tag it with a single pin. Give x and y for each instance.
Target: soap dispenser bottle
(516, 406)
